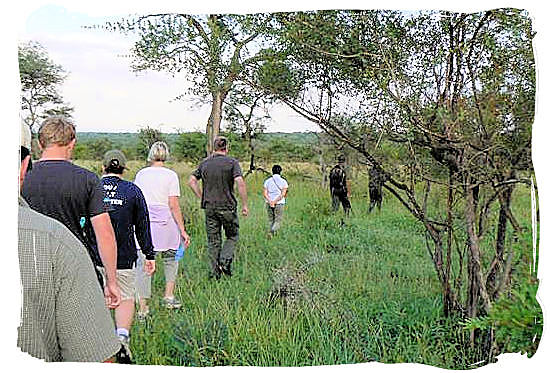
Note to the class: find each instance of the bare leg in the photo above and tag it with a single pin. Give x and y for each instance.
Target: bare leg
(143, 306)
(169, 289)
(124, 314)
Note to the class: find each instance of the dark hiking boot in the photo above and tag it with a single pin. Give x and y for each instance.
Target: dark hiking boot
(226, 268)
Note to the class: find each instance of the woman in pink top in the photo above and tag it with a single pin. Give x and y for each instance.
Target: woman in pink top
(161, 189)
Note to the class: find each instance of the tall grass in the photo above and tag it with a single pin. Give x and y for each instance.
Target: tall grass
(324, 290)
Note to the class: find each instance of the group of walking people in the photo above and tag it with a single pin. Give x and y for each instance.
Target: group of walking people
(123, 228)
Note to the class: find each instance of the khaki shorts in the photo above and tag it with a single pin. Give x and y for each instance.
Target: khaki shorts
(126, 279)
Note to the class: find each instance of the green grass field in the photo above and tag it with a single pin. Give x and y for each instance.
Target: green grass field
(323, 291)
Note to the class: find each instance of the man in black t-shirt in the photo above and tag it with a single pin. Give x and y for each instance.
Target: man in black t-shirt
(72, 195)
(219, 173)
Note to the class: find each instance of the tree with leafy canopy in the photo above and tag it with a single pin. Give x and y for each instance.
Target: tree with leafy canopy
(246, 111)
(147, 136)
(456, 92)
(41, 79)
(213, 50)
(190, 146)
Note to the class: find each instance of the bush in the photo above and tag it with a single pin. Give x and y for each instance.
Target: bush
(93, 149)
(517, 320)
(146, 137)
(190, 146)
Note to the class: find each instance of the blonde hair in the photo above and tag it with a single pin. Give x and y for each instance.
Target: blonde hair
(158, 152)
(56, 131)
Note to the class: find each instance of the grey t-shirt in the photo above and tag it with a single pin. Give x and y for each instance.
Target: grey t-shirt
(218, 173)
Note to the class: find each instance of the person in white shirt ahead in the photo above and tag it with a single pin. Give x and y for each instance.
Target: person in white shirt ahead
(161, 189)
(275, 190)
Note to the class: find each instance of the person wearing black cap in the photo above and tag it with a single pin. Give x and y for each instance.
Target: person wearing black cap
(339, 186)
(128, 212)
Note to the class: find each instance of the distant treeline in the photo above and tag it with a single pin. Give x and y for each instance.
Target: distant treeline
(191, 146)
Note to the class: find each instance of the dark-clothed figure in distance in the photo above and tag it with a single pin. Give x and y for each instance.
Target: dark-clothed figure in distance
(375, 188)
(339, 186)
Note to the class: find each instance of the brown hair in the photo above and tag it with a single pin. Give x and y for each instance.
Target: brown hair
(56, 131)
(220, 143)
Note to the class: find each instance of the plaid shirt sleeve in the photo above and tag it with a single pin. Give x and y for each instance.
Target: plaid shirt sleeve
(85, 329)
(64, 317)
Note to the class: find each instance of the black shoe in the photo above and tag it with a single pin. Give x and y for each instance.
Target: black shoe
(226, 268)
(124, 356)
(227, 272)
(215, 275)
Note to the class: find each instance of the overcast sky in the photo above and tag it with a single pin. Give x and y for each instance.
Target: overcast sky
(106, 95)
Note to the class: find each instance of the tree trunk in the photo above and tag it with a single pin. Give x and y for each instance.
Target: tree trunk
(214, 121)
(448, 303)
(323, 166)
(498, 261)
(252, 148)
(477, 286)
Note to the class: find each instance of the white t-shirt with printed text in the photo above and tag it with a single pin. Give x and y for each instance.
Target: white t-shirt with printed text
(275, 186)
(157, 184)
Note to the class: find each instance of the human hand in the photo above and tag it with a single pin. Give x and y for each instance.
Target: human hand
(245, 210)
(112, 294)
(272, 203)
(149, 267)
(186, 238)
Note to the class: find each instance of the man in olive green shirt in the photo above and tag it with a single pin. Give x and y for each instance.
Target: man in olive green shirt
(64, 316)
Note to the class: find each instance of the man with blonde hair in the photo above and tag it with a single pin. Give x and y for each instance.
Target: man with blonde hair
(74, 196)
(219, 173)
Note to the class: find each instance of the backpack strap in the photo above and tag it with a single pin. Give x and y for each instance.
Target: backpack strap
(277, 185)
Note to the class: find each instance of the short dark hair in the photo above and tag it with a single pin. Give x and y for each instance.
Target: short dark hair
(220, 143)
(276, 169)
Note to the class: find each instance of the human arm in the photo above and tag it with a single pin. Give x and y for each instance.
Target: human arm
(78, 304)
(106, 243)
(241, 186)
(143, 231)
(194, 185)
(173, 203)
(279, 197)
(266, 195)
